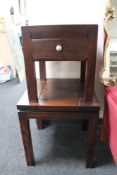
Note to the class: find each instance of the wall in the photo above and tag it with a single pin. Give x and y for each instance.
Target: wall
(69, 12)
(113, 23)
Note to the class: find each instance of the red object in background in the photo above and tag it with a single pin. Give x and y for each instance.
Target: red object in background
(109, 131)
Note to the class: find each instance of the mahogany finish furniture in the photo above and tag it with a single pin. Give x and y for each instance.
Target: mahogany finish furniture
(59, 99)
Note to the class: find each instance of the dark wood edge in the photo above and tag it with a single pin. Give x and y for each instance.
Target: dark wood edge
(59, 109)
(42, 27)
(60, 115)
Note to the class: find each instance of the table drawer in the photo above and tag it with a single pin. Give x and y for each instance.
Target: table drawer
(66, 49)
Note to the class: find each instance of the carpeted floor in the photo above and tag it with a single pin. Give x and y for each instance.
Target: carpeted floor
(59, 149)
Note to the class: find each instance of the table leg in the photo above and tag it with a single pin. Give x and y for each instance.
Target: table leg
(91, 141)
(27, 141)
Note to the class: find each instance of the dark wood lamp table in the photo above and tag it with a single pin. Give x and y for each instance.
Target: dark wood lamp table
(59, 99)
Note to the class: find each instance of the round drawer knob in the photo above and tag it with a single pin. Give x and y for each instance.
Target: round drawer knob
(58, 48)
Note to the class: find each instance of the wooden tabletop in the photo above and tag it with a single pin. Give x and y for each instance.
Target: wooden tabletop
(58, 94)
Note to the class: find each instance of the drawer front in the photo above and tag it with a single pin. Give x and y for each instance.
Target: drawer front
(67, 49)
